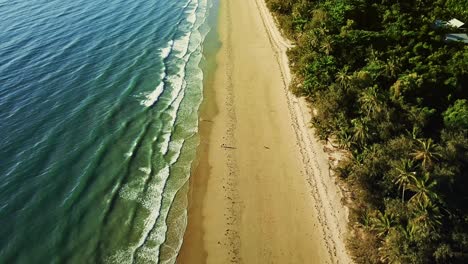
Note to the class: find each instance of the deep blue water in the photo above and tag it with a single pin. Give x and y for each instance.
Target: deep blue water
(98, 127)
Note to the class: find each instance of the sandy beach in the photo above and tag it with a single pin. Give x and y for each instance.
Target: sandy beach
(262, 190)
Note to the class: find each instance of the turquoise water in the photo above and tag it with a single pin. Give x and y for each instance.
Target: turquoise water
(98, 122)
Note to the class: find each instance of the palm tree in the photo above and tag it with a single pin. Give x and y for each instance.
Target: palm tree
(391, 67)
(371, 102)
(409, 231)
(426, 216)
(344, 139)
(360, 131)
(366, 220)
(374, 55)
(426, 153)
(405, 171)
(343, 78)
(415, 132)
(394, 242)
(313, 39)
(326, 45)
(382, 223)
(389, 252)
(424, 188)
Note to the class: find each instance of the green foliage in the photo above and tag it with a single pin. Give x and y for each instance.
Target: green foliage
(385, 86)
(337, 10)
(456, 116)
(457, 8)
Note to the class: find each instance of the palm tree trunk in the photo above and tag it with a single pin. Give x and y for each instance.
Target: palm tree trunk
(403, 194)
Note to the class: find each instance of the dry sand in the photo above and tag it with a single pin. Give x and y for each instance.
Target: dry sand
(262, 190)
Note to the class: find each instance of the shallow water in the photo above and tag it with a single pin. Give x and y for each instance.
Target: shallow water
(98, 125)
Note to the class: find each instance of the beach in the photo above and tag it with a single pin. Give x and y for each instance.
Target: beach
(261, 190)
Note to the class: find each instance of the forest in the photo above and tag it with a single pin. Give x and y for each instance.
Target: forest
(390, 89)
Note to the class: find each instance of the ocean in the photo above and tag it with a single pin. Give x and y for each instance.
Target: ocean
(98, 127)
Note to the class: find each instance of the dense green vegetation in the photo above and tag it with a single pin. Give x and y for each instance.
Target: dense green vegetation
(388, 88)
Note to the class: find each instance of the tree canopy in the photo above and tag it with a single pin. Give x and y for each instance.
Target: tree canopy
(388, 87)
(457, 114)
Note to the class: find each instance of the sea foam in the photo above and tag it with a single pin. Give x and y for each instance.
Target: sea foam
(181, 75)
(153, 96)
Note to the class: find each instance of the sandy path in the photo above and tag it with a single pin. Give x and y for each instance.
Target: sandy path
(262, 191)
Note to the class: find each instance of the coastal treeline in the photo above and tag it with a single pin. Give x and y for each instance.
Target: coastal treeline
(388, 87)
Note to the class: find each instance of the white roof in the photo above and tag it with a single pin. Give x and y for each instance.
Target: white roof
(455, 23)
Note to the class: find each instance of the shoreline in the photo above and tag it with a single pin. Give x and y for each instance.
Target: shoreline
(229, 218)
(193, 236)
